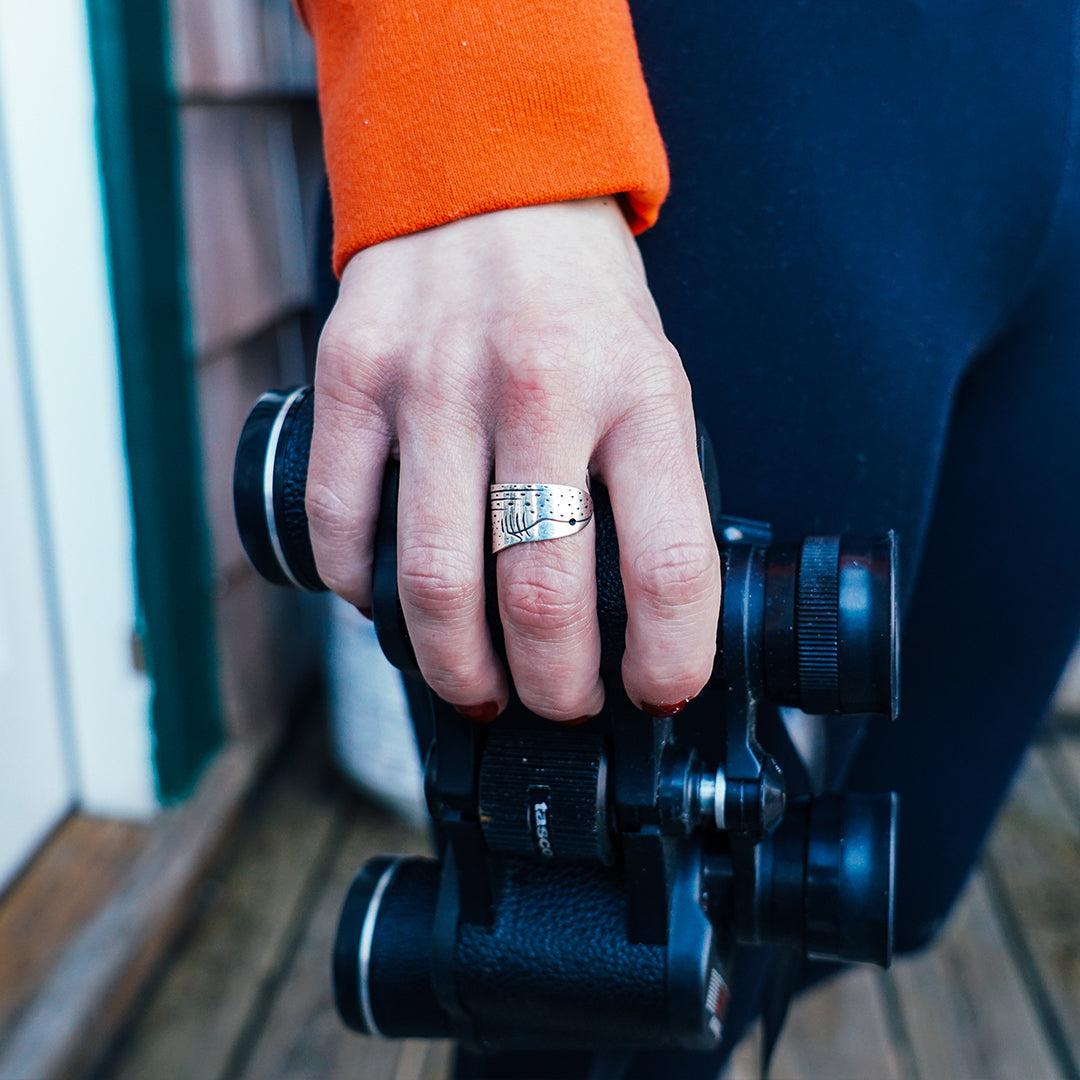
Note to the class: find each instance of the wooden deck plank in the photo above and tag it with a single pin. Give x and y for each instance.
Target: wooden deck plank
(202, 1005)
(60, 892)
(967, 1008)
(841, 1031)
(423, 1059)
(96, 981)
(438, 1063)
(1035, 862)
(745, 1060)
(303, 1036)
(964, 1005)
(1063, 756)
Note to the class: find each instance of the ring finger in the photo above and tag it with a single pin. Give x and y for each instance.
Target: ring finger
(547, 593)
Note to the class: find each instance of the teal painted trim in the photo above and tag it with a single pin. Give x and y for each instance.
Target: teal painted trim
(140, 159)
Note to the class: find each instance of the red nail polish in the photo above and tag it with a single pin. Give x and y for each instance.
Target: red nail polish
(665, 710)
(577, 720)
(366, 612)
(480, 714)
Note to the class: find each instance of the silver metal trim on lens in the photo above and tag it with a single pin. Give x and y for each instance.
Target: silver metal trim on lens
(719, 797)
(367, 936)
(712, 790)
(268, 479)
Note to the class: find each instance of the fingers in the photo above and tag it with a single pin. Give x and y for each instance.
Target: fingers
(442, 507)
(524, 340)
(442, 519)
(668, 556)
(547, 590)
(349, 446)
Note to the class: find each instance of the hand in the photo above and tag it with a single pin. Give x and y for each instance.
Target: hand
(521, 345)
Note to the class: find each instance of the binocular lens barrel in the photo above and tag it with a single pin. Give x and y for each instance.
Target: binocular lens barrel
(824, 880)
(269, 479)
(831, 639)
(553, 968)
(383, 960)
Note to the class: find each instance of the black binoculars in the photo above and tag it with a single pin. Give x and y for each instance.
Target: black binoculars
(593, 882)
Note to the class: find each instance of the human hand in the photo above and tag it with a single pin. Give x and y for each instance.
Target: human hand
(522, 345)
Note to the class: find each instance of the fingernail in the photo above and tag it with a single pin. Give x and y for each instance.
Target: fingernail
(665, 710)
(577, 720)
(366, 612)
(480, 714)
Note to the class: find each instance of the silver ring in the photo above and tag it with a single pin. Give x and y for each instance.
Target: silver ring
(524, 512)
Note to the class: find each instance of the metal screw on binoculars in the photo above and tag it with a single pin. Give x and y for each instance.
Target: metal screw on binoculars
(593, 883)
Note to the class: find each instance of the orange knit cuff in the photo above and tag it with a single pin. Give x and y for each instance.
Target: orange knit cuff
(437, 109)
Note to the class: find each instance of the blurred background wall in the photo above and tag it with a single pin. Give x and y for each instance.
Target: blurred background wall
(160, 174)
(252, 179)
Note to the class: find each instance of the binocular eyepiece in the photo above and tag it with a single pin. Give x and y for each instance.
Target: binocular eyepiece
(593, 883)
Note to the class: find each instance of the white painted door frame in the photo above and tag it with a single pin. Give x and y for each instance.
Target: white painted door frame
(37, 774)
(55, 245)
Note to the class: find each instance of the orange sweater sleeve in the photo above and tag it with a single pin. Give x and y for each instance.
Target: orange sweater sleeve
(437, 109)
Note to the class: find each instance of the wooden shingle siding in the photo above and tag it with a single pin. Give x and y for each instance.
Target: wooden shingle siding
(247, 252)
(252, 178)
(270, 639)
(228, 384)
(240, 47)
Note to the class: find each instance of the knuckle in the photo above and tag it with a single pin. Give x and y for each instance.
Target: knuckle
(340, 348)
(327, 513)
(657, 378)
(448, 396)
(538, 394)
(334, 528)
(651, 356)
(676, 575)
(454, 675)
(544, 603)
(438, 582)
(334, 532)
(354, 364)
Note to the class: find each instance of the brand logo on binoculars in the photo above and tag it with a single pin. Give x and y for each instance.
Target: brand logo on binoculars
(539, 800)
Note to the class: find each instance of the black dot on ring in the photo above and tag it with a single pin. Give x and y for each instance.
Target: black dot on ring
(572, 521)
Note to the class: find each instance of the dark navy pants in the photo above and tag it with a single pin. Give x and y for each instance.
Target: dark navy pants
(870, 263)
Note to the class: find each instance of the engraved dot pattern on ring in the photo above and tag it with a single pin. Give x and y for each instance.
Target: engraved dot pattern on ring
(521, 513)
